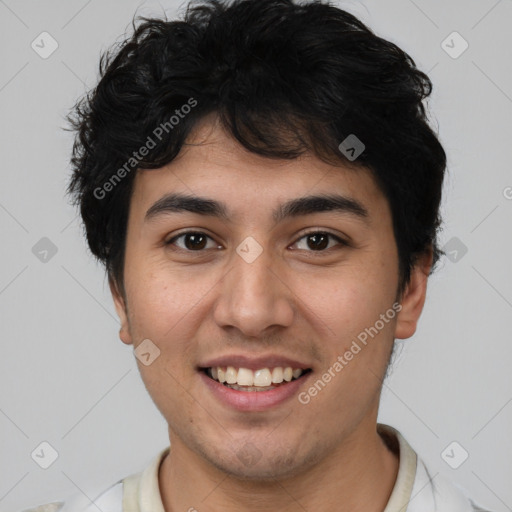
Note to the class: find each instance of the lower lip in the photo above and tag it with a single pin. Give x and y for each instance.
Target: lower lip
(253, 400)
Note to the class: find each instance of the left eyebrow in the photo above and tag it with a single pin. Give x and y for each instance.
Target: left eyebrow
(321, 203)
(178, 203)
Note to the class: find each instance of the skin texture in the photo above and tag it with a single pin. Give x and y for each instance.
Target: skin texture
(292, 301)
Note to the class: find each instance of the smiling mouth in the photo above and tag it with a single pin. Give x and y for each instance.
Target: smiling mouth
(245, 379)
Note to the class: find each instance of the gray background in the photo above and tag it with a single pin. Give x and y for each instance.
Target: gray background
(68, 380)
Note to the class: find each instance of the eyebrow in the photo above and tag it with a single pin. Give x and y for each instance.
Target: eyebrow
(178, 203)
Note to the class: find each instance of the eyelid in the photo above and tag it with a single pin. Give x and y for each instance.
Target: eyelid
(341, 242)
(314, 231)
(188, 232)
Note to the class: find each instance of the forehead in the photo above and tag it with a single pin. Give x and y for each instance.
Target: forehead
(213, 164)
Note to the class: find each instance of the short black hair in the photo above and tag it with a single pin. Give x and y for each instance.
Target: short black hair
(284, 78)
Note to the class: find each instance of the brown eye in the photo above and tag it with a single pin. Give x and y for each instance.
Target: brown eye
(319, 241)
(192, 241)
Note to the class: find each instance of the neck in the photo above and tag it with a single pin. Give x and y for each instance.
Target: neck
(358, 476)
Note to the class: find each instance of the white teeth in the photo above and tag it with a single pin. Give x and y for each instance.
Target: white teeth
(245, 377)
(231, 375)
(296, 373)
(262, 378)
(277, 375)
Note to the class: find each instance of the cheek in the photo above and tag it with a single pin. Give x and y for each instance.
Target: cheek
(165, 306)
(159, 297)
(162, 311)
(347, 300)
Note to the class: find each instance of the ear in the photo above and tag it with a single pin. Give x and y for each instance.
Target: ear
(413, 297)
(120, 305)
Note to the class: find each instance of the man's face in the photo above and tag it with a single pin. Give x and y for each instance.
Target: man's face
(214, 300)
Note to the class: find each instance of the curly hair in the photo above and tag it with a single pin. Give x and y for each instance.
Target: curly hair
(283, 78)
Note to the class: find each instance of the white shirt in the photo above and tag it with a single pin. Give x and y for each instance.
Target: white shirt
(415, 489)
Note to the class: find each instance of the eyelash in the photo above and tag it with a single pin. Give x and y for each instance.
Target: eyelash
(305, 235)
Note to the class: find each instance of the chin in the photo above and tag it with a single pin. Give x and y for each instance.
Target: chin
(262, 462)
(257, 473)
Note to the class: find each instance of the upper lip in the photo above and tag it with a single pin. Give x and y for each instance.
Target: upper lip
(253, 363)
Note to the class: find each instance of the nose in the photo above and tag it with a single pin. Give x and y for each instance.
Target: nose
(254, 297)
